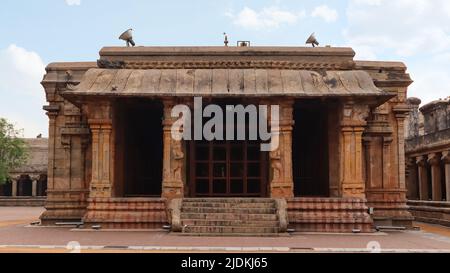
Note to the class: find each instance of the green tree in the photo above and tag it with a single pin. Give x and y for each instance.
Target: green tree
(13, 150)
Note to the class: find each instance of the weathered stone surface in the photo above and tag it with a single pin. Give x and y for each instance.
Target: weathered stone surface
(126, 213)
(329, 215)
(366, 130)
(238, 216)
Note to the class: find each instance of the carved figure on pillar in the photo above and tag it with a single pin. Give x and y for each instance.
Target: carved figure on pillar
(282, 184)
(173, 157)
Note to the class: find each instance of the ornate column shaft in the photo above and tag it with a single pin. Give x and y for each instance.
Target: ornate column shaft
(173, 157)
(282, 182)
(435, 161)
(101, 183)
(446, 159)
(100, 123)
(423, 177)
(352, 127)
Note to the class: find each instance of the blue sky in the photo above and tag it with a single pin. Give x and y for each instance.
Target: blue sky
(35, 33)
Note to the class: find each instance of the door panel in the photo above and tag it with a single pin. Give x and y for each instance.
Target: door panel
(235, 168)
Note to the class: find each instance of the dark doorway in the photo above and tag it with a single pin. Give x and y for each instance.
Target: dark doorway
(24, 186)
(227, 168)
(139, 148)
(310, 150)
(235, 168)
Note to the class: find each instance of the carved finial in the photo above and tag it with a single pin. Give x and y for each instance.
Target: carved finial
(225, 41)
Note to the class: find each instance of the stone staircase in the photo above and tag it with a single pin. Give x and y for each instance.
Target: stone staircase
(230, 216)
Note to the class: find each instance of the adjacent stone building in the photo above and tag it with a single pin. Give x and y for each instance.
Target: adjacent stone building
(27, 185)
(113, 162)
(428, 160)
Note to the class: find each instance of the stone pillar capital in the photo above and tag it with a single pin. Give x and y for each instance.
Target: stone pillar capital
(35, 177)
(434, 159)
(15, 178)
(401, 110)
(446, 157)
(420, 161)
(354, 114)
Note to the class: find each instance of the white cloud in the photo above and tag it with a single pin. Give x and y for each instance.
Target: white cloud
(326, 13)
(417, 32)
(73, 2)
(267, 18)
(407, 27)
(21, 94)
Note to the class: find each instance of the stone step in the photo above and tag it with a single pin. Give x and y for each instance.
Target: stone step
(229, 216)
(204, 222)
(228, 200)
(230, 229)
(228, 210)
(264, 205)
(235, 234)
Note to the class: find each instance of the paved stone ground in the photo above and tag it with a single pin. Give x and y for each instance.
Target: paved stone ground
(17, 236)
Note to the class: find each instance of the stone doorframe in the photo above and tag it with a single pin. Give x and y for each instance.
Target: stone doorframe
(281, 183)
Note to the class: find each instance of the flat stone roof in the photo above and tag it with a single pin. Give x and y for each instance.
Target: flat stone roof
(223, 51)
(37, 161)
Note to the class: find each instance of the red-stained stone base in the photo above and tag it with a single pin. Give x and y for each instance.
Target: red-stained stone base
(126, 213)
(341, 215)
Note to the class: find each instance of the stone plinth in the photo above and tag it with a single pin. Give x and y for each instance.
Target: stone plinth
(329, 215)
(126, 213)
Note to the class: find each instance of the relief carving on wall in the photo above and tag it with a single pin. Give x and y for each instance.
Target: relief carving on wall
(275, 162)
(178, 161)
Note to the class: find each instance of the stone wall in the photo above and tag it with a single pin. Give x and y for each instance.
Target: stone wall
(428, 161)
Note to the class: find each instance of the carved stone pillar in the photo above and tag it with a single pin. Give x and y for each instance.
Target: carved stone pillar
(401, 111)
(423, 177)
(173, 157)
(34, 181)
(411, 177)
(436, 188)
(446, 160)
(100, 123)
(282, 182)
(351, 153)
(14, 182)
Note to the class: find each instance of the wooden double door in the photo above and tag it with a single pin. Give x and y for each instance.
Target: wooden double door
(227, 169)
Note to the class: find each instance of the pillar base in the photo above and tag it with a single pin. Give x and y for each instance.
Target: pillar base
(172, 190)
(282, 190)
(353, 190)
(64, 206)
(390, 209)
(100, 190)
